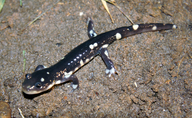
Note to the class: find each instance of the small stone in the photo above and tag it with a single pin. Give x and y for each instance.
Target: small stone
(5, 110)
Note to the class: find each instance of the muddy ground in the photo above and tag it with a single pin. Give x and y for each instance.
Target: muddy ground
(155, 69)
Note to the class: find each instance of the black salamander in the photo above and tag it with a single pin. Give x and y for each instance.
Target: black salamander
(43, 78)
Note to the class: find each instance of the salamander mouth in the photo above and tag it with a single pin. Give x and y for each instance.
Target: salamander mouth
(33, 90)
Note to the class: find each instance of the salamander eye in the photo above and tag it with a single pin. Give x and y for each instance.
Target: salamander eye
(38, 84)
(28, 76)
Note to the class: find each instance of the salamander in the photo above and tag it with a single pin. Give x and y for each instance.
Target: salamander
(42, 79)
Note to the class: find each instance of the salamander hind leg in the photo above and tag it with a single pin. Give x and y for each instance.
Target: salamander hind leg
(108, 62)
(90, 29)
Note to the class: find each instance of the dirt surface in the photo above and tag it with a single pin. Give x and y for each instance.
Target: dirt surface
(155, 69)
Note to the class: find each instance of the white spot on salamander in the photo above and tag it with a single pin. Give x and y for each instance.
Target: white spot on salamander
(92, 46)
(58, 82)
(154, 28)
(87, 60)
(135, 27)
(48, 73)
(106, 53)
(105, 46)
(118, 36)
(91, 32)
(95, 44)
(81, 62)
(51, 85)
(67, 75)
(76, 69)
(42, 79)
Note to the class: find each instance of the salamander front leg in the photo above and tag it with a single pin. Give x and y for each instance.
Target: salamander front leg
(108, 62)
(73, 78)
(40, 67)
(75, 82)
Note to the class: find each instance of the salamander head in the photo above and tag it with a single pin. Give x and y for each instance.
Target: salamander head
(37, 82)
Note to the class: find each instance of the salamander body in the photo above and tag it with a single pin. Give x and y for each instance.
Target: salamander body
(43, 78)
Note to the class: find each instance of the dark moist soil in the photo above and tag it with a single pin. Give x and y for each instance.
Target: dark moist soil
(155, 68)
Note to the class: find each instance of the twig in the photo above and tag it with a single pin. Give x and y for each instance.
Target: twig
(113, 2)
(105, 5)
(21, 113)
